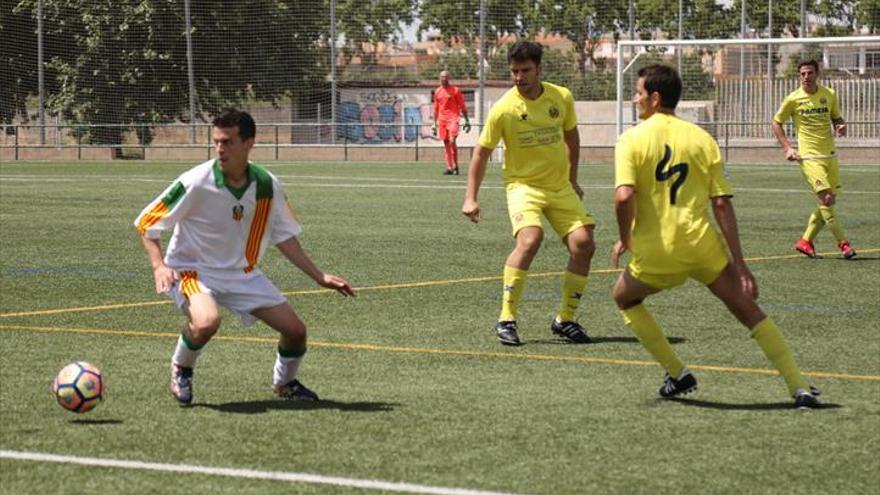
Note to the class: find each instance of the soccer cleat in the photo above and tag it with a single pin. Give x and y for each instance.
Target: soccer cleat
(807, 399)
(455, 171)
(506, 331)
(181, 383)
(449, 171)
(294, 390)
(806, 248)
(571, 330)
(684, 384)
(846, 250)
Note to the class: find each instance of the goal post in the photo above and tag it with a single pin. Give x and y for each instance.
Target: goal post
(736, 84)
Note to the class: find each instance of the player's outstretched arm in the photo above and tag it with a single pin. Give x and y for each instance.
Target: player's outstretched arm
(163, 275)
(476, 173)
(293, 251)
(722, 208)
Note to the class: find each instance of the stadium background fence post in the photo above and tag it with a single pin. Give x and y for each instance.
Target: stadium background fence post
(190, 71)
(333, 76)
(41, 87)
(482, 67)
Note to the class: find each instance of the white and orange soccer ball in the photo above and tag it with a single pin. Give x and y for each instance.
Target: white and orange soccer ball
(79, 387)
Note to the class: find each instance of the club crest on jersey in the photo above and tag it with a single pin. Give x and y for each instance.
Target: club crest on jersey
(237, 212)
(554, 112)
(823, 100)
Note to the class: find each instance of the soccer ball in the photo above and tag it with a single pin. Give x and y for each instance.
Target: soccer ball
(79, 387)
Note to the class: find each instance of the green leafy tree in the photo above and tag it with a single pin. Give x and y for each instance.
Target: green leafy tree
(365, 25)
(867, 14)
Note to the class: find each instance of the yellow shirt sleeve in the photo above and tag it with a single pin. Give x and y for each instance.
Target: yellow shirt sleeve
(570, 121)
(719, 186)
(491, 130)
(834, 106)
(785, 110)
(624, 163)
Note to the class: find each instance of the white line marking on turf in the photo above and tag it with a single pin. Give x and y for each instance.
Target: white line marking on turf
(245, 473)
(455, 185)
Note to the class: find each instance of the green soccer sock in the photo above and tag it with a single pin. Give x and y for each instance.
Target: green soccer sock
(770, 339)
(814, 225)
(514, 283)
(573, 286)
(830, 219)
(642, 323)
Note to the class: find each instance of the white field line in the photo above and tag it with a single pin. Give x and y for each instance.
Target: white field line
(293, 185)
(244, 473)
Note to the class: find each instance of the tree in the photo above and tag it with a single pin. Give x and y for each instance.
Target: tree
(18, 79)
(867, 14)
(364, 27)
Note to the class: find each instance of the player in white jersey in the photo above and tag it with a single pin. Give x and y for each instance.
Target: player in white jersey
(224, 213)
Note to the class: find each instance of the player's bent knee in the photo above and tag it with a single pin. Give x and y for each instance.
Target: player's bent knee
(203, 328)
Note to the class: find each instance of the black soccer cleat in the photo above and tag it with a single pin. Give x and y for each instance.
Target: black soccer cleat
(807, 399)
(294, 390)
(685, 384)
(181, 384)
(571, 330)
(506, 331)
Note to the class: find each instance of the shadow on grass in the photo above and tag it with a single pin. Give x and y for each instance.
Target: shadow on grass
(262, 406)
(742, 407)
(86, 421)
(601, 340)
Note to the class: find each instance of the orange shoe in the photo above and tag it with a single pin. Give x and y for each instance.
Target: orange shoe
(846, 250)
(806, 248)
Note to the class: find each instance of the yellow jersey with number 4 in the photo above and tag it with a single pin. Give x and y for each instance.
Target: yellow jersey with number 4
(675, 167)
(812, 115)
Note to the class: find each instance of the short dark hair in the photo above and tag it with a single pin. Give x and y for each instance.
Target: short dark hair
(524, 50)
(812, 62)
(664, 80)
(231, 117)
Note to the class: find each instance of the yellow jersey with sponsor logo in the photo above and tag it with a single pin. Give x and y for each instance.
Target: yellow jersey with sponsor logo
(812, 115)
(532, 130)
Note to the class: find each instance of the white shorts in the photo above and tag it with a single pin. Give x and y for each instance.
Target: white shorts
(242, 293)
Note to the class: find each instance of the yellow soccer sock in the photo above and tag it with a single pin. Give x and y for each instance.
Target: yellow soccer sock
(771, 341)
(831, 221)
(814, 225)
(573, 286)
(514, 283)
(642, 323)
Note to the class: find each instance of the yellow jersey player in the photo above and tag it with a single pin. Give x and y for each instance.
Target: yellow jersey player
(667, 172)
(538, 124)
(814, 110)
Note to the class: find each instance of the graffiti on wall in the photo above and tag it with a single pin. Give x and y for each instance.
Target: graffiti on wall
(376, 116)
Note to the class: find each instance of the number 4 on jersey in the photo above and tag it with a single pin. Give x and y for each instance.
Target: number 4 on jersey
(679, 168)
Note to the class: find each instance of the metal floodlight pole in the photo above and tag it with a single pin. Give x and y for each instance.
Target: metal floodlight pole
(742, 64)
(803, 19)
(333, 71)
(619, 88)
(770, 58)
(482, 62)
(190, 71)
(41, 88)
(680, 31)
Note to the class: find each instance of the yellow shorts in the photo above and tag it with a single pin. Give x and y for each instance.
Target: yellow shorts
(822, 174)
(703, 262)
(563, 208)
